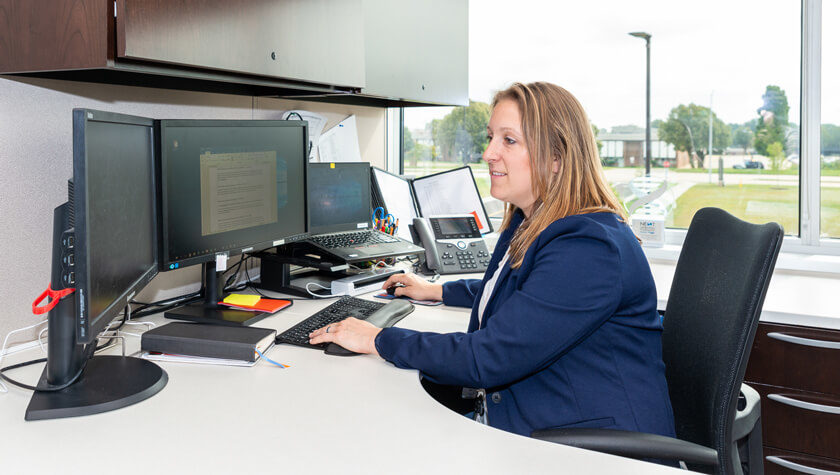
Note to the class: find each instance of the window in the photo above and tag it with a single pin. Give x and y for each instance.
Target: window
(733, 65)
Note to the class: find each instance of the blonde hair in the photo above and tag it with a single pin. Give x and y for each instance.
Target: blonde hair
(556, 127)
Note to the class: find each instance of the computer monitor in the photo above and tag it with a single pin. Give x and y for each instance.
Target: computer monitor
(104, 247)
(451, 192)
(228, 187)
(339, 197)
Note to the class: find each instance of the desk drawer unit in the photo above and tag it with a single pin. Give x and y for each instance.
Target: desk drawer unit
(785, 462)
(797, 372)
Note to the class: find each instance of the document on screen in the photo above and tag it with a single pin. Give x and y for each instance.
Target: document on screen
(238, 190)
(451, 192)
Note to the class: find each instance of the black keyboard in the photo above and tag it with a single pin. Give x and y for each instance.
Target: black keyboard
(356, 238)
(337, 311)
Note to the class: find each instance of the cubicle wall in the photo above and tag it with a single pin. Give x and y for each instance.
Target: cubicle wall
(36, 162)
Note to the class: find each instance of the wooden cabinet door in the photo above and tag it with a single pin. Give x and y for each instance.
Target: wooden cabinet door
(317, 41)
(55, 35)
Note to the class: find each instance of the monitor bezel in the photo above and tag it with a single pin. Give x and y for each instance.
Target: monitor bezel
(375, 181)
(343, 227)
(89, 326)
(490, 228)
(165, 264)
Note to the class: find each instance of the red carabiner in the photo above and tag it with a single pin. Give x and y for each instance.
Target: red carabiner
(54, 296)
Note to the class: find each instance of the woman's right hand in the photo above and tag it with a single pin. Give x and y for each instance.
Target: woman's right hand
(414, 286)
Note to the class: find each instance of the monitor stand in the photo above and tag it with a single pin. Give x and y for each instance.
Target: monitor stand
(107, 383)
(104, 383)
(209, 310)
(276, 275)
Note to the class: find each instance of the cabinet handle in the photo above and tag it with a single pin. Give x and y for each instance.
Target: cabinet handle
(804, 405)
(833, 345)
(798, 467)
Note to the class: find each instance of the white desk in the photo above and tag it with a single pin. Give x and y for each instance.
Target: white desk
(324, 414)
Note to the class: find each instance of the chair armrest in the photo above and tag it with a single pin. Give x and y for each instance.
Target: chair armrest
(631, 444)
(746, 418)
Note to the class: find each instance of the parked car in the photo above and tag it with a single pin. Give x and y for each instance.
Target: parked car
(749, 164)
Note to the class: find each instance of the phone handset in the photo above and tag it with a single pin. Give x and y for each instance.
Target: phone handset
(421, 227)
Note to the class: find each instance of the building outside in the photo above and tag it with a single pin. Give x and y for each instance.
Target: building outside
(627, 149)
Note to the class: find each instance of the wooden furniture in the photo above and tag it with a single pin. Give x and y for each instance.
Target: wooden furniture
(796, 370)
(325, 49)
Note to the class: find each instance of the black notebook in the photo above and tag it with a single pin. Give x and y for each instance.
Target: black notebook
(208, 341)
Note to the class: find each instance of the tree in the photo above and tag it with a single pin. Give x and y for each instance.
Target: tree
(772, 119)
(687, 129)
(461, 134)
(830, 139)
(743, 137)
(595, 133)
(776, 154)
(409, 145)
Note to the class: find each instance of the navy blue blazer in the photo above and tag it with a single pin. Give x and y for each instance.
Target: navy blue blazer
(569, 339)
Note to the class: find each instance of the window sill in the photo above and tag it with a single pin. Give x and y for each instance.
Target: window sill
(807, 264)
(802, 290)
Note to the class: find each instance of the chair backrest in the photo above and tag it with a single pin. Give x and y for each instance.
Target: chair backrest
(710, 322)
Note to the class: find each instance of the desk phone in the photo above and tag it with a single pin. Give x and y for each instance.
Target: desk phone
(453, 244)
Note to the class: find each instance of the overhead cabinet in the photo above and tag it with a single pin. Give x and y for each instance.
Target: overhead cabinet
(318, 41)
(261, 45)
(374, 52)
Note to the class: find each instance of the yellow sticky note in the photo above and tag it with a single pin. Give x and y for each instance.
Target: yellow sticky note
(332, 165)
(242, 299)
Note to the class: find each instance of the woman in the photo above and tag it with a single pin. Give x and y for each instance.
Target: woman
(564, 330)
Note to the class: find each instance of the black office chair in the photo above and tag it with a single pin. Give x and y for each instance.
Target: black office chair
(710, 322)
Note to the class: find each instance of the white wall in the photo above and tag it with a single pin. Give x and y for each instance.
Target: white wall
(36, 162)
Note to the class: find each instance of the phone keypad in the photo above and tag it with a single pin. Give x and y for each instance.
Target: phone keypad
(467, 258)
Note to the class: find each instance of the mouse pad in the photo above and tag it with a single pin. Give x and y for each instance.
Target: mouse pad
(429, 303)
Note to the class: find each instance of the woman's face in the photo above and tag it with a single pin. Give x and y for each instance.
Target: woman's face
(508, 158)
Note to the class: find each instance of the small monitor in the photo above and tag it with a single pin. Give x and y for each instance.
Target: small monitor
(115, 216)
(397, 197)
(339, 197)
(104, 252)
(228, 187)
(451, 192)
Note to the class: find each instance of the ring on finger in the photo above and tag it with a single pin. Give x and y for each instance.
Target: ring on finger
(328, 328)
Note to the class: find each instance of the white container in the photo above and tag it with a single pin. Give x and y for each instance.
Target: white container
(650, 228)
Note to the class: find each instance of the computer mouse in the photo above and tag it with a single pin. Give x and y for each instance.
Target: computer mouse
(392, 289)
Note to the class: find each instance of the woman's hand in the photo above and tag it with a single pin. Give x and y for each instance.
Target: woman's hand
(414, 286)
(351, 333)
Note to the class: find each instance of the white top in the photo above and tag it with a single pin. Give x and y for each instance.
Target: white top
(489, 288)
(324, 414)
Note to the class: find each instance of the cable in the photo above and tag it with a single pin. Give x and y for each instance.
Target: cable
(40, 339)
(270, 360)
(317, 295)
(47, 389)
(3, 387)
(162, 303)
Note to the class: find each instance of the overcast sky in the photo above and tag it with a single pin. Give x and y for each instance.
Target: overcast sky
(732, 48)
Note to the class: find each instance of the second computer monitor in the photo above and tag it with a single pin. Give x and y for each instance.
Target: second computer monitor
(339, 197)
(230, 187)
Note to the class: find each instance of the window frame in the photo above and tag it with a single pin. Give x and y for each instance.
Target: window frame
(808, 240)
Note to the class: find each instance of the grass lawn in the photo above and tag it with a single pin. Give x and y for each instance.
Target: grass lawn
(758, 204)
(830, 212)
(756, 171)
(753, 203)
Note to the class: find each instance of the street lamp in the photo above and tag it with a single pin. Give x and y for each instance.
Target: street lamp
(646, 36)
